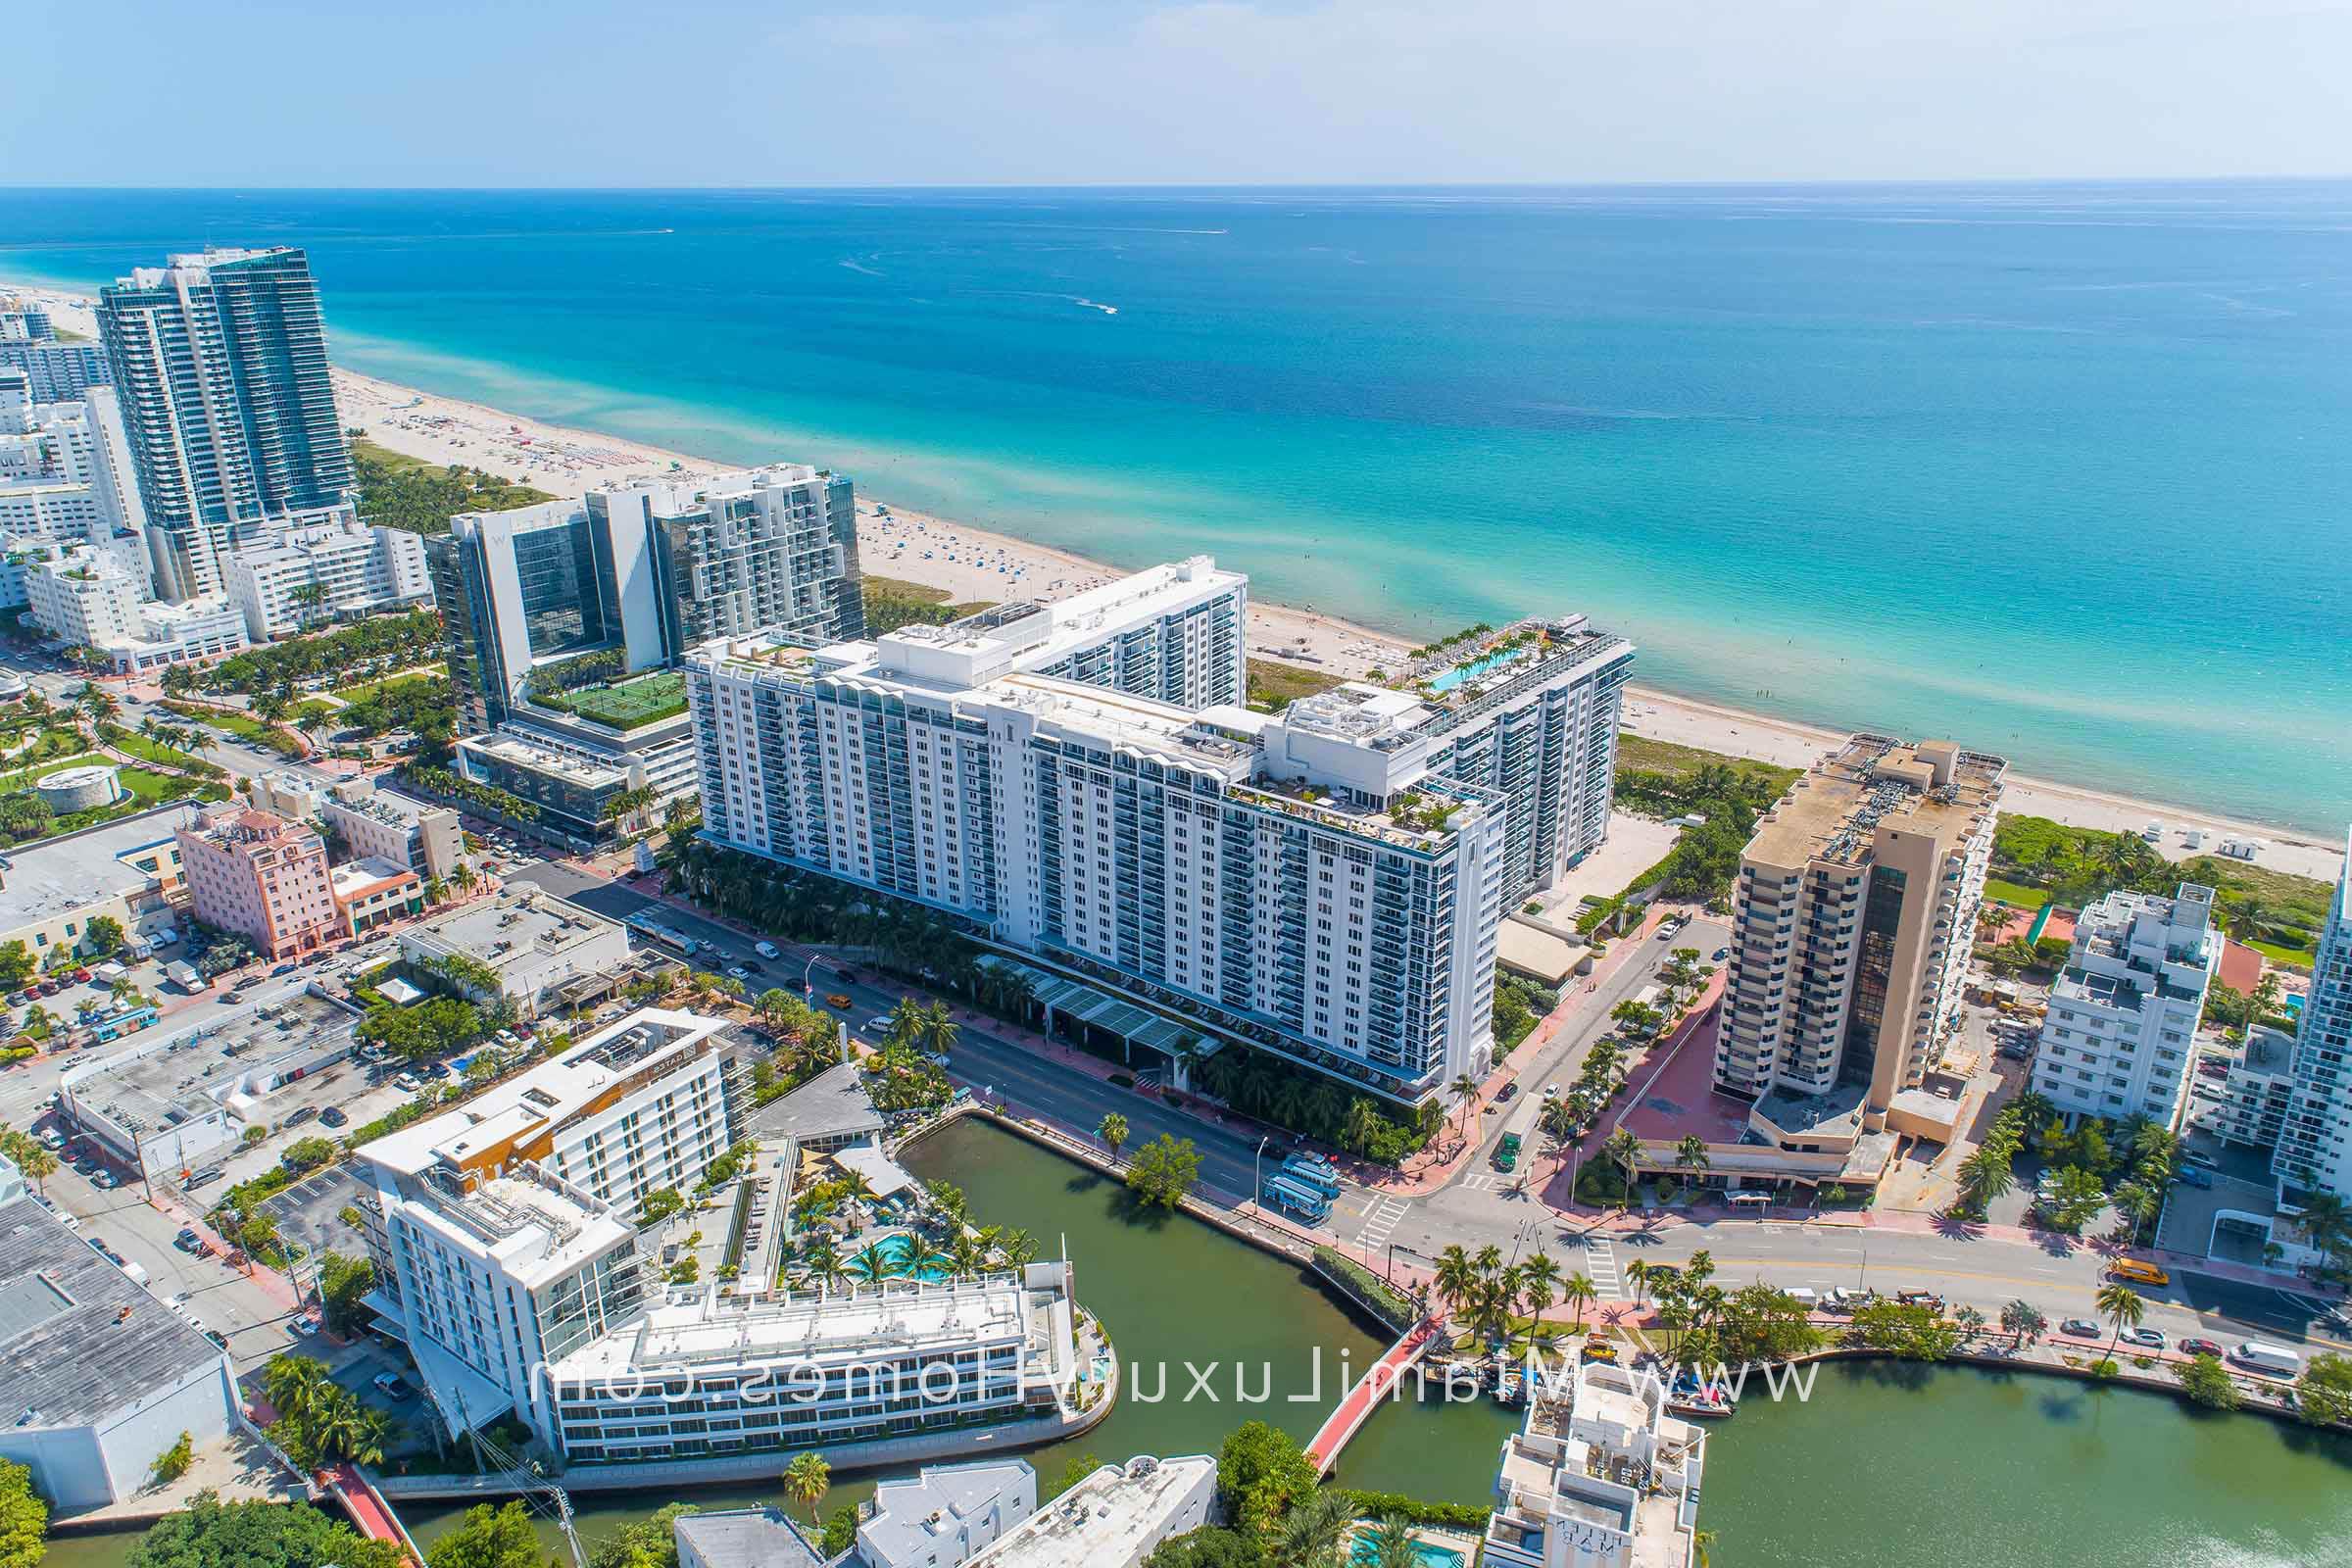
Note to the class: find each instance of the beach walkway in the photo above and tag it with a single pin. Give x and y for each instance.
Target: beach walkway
(1361, 1400)
(370, 1513)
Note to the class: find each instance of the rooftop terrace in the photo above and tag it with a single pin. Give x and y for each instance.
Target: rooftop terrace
(42, 882)
(1834, 813)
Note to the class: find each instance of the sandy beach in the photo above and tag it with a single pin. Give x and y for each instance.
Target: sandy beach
(973, 565)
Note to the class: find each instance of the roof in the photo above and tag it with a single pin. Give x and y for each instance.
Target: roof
(42, 881)
(881, 1172)
(163, 1080)
(357, 878)
(551, 1094)
(510, 928)
(832, 1104)
(747, 1537)
(1532, 951)
(78, 1339)
(1112, 1516)
(904, 1506)
(1877, 784)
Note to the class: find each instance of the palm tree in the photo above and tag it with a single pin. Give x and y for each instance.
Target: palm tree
(1458, 1275)
(905, 1022)
(36, 1162)
(1311, 1531)
(1393, 1545)
(938, 1033)
(1690, 1153)
(1626, 1150)
(807, 1479)
(822, 1261)
(1702, 1542)
(2123, 1308)
(1465, 1091)
(1113, 1130)
(965, 1255)
(294, 1384)
(97, 702)
(1984, 1176)
(1637, 1274)
(2328, 1220)
(1538, 1283)
(1581, 1292)
(924, 1259)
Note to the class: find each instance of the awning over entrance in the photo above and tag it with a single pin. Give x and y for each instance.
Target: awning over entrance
(465, 1398)
(1138, 1026)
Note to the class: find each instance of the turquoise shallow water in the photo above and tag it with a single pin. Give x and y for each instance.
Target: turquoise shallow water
(2060, 471)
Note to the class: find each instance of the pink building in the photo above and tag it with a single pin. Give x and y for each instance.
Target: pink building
(262, 877)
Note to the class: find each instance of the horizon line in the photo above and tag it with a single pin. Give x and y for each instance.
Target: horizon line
(1836, 183)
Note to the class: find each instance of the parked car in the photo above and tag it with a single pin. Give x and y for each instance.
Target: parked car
(739, 972)
(219, 1339)
(1920, 1298)
(2146, 1339)
(301, 1116)
(390, 1386)
(1845, 1298)
(106, 1181)
(1510, 1091)
(2201, 1347)
(187, 1241)
(1722, 953)
(2082, 1327)
(302, 1327)
(2195, 1176)
(333, 1117)
(204, 1177)
(407, 1083)
(82, 975)
(284, 968)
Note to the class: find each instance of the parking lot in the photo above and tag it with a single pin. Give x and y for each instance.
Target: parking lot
(308, 1211)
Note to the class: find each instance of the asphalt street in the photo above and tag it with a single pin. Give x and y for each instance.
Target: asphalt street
(1478, 1206)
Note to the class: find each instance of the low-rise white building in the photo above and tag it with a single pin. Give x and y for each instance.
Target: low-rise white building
(173, 1100)
(943, 1516)
(532, 941)
(2120, 1037)
(98, 1377)
(125, 869)
(369, 892)
(1598, 1477)
(1113, 1518)
(298, 576)
(87, 597)
(743, 1538)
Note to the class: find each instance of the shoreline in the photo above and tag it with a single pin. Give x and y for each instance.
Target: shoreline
(971, 564)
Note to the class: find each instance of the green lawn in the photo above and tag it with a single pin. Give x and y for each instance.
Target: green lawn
(1644, 754)
(2293, 958)
(369, 688)
(1274, 684)
(248, 728)
(2016, 894)
(139, 745)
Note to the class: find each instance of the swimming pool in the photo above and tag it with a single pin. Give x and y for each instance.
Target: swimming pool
(1426, 1554)
(895, 1249)
(1441, 684)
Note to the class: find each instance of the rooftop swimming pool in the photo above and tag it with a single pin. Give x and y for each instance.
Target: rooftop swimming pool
(895, 1249)
(1441, 684)
(1426, 1555)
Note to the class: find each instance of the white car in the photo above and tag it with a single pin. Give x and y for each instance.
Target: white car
(739, 972)
(407, 1083)
(879, 1025)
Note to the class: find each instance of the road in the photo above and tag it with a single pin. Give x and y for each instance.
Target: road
(1478, 1207)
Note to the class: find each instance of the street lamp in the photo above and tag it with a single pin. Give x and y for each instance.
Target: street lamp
(1255, 1188)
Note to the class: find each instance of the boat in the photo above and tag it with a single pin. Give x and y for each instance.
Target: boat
(1704, 1405)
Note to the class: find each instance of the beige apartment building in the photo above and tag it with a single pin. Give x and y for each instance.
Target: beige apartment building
(256, 873)
(1855, 914)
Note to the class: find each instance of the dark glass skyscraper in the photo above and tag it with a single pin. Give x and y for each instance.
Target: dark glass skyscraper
(220, 363)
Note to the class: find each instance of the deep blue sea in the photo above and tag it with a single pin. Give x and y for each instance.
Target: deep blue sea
(2062, 471)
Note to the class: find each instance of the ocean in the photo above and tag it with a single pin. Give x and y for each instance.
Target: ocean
(2063, 472)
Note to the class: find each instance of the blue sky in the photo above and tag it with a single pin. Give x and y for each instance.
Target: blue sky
(626, 93)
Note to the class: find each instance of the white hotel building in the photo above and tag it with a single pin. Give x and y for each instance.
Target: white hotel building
(2120, 1038)
(504, 1232)
(357, 570)
(1325, 884)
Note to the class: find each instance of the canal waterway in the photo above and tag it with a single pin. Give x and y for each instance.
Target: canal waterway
(1922, 1467)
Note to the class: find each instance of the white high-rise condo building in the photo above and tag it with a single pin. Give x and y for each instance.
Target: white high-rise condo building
(219, 360)
(2120, 1038)
(2315, 1144)
(1325, 884)
(1852, 921)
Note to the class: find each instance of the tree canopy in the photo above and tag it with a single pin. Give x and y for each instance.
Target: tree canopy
(212, 1534)
(23, 1518)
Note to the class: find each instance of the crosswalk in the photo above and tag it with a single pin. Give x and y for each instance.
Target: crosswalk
(1381, 1219)
(1600, 1266)
(1481, 1181)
